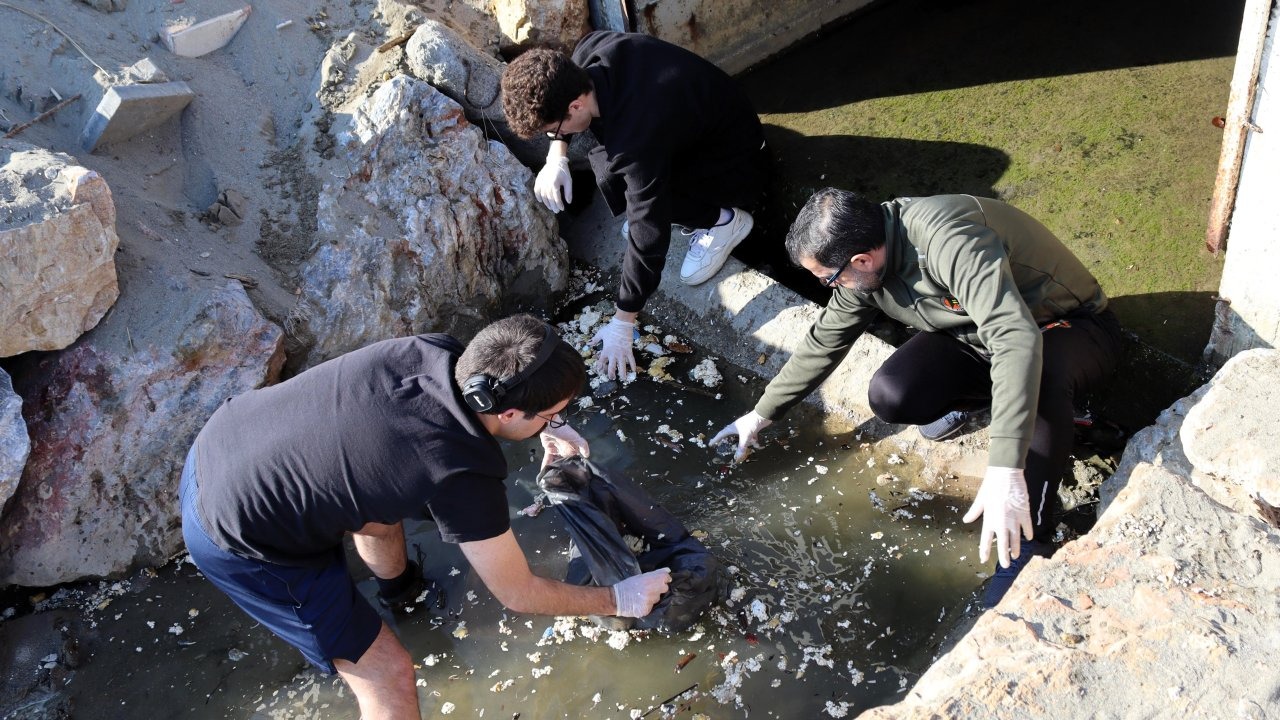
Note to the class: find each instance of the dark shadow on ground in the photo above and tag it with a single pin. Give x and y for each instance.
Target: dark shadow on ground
(911, 46)
(880, 168)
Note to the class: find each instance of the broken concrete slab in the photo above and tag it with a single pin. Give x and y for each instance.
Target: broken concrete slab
(145, 71)
(127, 110)
(204, 37)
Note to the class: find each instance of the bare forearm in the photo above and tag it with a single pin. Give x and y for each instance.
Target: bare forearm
(549, 597)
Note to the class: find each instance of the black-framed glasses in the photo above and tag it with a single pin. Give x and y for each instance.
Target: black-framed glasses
(835, 276)
(555, 134)
(553, 422)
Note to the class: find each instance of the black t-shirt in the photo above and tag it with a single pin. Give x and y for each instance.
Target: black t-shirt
(380, 434)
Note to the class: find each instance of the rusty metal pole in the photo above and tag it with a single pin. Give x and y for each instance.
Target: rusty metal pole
(1244, 85)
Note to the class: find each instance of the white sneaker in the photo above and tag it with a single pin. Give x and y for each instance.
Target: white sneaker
(708, 249)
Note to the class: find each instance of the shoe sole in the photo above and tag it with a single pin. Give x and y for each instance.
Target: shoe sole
(698, 279)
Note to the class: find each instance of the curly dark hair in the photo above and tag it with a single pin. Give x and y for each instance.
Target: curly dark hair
(537, 88)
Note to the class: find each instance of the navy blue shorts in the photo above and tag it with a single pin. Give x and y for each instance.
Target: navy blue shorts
(317, 610)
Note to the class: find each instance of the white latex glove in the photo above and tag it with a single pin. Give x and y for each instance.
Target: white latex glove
(636, 596)
(553, 179)
(1005, 508)
(747, 428)
(562, 442)
(615, 355)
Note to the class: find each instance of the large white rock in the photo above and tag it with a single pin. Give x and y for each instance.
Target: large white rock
(1232, 433)
(434, 230)
(14, 443)
(109, 433)
(1167, 608)
(57, 249)
(472, 77)
(527, 22)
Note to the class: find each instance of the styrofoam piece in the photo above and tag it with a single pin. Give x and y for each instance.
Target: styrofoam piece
(206, 36)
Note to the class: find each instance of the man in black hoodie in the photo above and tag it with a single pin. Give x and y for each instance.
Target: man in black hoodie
(679, 143)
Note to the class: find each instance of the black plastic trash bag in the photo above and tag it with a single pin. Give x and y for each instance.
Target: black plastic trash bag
(600, 511)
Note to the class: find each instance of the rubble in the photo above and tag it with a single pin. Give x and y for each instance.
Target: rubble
(129, 110)
(204, 37)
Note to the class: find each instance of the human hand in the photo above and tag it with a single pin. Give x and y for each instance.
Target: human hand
(553, 179)
(747, 428)
(636, 596)
(616, 355)
(562, 442)
(1005, 508)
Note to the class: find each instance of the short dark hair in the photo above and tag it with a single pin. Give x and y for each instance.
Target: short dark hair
(537, 88)
(504, 348)
(833, 226)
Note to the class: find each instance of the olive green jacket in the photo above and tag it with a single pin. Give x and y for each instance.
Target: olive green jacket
(977, 269)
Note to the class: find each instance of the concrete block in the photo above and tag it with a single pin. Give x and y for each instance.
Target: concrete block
(145, 71)
(204, 37)
(127, 110)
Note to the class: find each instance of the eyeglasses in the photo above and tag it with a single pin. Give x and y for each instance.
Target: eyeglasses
(834, 276)
(555, 134)
(553, 422)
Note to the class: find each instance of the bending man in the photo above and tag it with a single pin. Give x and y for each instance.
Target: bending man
(1009, 317)
(404, 428)
(679, 143)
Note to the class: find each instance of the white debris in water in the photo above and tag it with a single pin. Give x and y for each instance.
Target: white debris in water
(918, 495)
(621, 435)
(431, 660)
(447, 708)
(876, 535)
(595, 699)
(192, 613)
(586, 402)
(176, 629)
(758, 610)
(821, 469)
(151, 624)
(504, 628)
(471, 596)
(818, 499)
(619, 639)
(636, 714)
(540, 672)
(706, 373)
(871, 462)
(454, 571)
(894, 459)
(588, 320)
(670, 432)
(837, 710)
(421, 682)
(500, 686)
(236, 654)
(737, 594)
(461, 631)
(855, 675)
(534, 657)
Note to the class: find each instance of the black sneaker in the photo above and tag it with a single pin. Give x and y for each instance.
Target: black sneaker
(945, 426)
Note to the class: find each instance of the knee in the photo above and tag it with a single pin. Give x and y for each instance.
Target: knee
(887, 400)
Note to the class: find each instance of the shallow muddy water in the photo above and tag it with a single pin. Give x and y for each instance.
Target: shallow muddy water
(845, 579)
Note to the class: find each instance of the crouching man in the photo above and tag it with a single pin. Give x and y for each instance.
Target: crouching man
(1008, 317)
(404, 428)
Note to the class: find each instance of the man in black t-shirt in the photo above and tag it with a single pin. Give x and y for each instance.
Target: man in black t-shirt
(404, 428)
(679, 143)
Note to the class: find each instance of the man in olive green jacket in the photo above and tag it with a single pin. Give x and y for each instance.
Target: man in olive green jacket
(1008, 317)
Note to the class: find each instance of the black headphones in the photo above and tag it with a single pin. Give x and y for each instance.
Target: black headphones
(483, 393)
